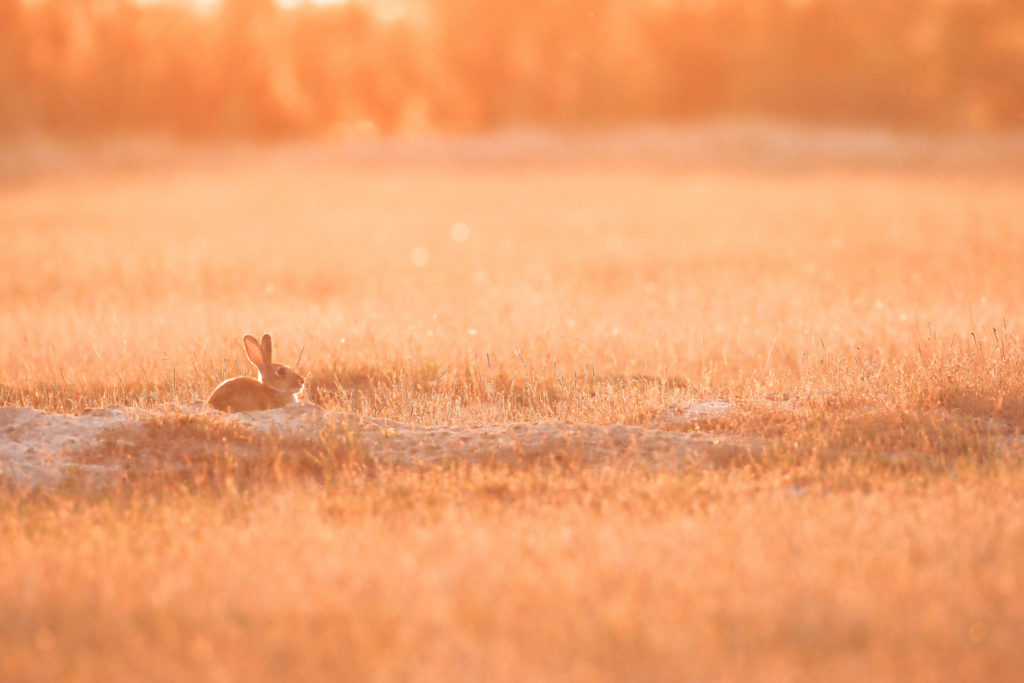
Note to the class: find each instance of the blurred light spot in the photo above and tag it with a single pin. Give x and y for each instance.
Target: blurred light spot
(201, 5)
(341, 341)
(471, 332)
(294, 4)
(419, 257)
(460, 232)
(613, 242)
(270, 288)
(386, 11)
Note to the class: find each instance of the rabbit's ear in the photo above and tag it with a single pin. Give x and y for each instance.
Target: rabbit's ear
(253, 350)
(268, 355)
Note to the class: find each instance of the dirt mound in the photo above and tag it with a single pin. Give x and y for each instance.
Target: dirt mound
(38, 448)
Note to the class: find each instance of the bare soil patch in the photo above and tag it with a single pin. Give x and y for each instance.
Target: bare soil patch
(39, 448)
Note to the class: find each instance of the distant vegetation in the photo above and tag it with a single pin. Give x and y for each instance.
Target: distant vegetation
(251, 68)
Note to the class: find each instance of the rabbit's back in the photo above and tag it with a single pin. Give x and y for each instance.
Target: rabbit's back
(241, 394)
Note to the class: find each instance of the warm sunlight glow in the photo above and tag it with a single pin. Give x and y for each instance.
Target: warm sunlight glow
(279, 68)
(205, 4)
(208, 5)
(511, 340)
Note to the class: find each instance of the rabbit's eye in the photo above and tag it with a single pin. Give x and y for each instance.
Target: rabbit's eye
(280, 372)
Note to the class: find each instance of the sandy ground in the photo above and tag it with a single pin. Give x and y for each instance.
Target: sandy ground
(38, 448)
(43, 449)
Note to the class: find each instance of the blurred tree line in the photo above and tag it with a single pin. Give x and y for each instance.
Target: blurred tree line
(252, 67)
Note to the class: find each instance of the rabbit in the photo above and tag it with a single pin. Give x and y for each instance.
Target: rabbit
(277, 385)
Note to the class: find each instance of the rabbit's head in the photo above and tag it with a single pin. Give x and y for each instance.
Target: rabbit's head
(278, 377)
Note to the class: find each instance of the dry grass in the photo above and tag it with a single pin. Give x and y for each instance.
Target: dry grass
(864, 320)
(477, 573)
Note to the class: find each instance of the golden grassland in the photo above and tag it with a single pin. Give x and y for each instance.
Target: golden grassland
(511, 575)
(862, 319)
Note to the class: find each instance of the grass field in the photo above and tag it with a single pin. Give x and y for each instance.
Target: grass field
(861, 319)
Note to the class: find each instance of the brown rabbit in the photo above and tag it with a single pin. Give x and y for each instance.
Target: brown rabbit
(276, 387)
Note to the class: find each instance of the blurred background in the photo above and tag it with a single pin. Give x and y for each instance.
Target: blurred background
(209, 69)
